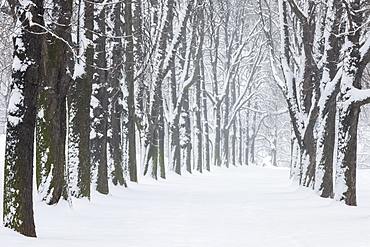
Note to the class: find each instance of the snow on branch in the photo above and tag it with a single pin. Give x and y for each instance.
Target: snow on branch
(237, 107)
(298, 11)
(330, 88)
(365, 51)
(278, 80)
(358, 96)
(176, 39)
(2, 3)
(240, 102)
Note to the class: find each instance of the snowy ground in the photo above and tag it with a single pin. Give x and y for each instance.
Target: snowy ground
(240, 206)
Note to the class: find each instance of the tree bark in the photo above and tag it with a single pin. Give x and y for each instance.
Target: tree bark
(79, 98)
(19, 147)
(326, 121)
(51, 127)
(129, 75)
(349, 111)
(99, 102)
(207, 154)
(116, 98)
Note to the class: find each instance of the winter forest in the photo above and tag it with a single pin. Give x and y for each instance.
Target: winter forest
(97, 95)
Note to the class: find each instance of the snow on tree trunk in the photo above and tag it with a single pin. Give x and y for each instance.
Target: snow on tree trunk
(79, 97)
(217, 152)
(325, 129)
(51, 127)
(142, 97)
(198, 127)
(345, 187)
(116, 108)
(198, 36)
(185, 137)
(207, 154)
(350, 100)
(295, 159)
(302, 101)
(99, 103)
(19, 147)
(175, 145)
(165, 56)
(129, 78)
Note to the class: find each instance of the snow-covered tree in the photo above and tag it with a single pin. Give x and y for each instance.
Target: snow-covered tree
(356, 56)
(79, 97)
(21, 121)
(51, 126)
(322, 62)
(116, 103)
(130, 84)
(163, 56)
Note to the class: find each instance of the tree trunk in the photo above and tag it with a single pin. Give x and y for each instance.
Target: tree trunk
(129, 72)
(162, 168)
(247, 138)
(185, 130)
(139, 40)
(175, 144)
(198, 30)
(217, 103)
(349, 110)
(241, 141)
(207, 154)
(19, 147)
(302, 104)
(51, 122)
(308, 156)
(295, 160)
(233, 135)
(99, 101)
(252, 139)
(115, 100)
(228, 68)
(347, 155)
(326, 122)
(217, 154)
(225, 130)
(198, 128)
(79, 98)
(175, 124)
(274, 148)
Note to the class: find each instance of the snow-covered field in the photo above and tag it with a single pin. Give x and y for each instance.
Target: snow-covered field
(240, 206)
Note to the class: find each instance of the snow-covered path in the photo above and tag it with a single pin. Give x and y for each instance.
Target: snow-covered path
(240, 206)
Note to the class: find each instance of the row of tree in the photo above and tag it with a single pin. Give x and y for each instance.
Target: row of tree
(111, 89)
(325, 48)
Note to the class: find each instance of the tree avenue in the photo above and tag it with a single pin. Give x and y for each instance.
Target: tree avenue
(110, 91)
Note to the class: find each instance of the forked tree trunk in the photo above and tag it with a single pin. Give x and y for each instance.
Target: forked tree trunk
(326, 121)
